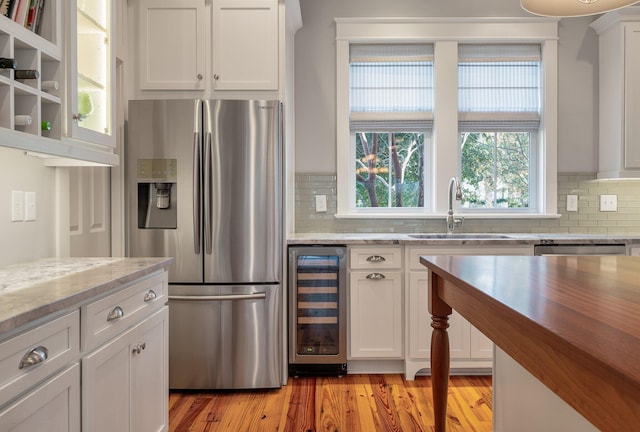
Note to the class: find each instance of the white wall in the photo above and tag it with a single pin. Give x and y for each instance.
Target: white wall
(316, 88)
(26, 241)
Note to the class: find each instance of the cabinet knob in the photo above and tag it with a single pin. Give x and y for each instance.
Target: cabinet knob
(199, 76)
(78, 118)
(375, 276)
(138, 348)
(35, 356)
(376, 259)
(115, 314)
(216, 77)
(150, 296)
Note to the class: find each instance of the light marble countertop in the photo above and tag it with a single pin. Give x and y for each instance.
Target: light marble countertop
(462, 239)
(33, 290)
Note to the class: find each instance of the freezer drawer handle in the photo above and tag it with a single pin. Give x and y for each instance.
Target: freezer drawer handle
(115, 314)
(35, 356)
(150, 296)
(256, 296)
(376, 259)
(375, 276)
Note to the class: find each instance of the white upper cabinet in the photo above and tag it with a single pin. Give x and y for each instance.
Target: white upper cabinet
(34, 112)
(619, 53)
(245, 44)
(172, 53)
(91, 66)
(192, 45)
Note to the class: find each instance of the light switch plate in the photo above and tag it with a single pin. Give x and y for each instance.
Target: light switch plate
(17, 206)
(608, 203)
(29, 206)
(321, 203)
(572, 203)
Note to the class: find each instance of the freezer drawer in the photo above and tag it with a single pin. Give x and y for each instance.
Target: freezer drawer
(225, 337)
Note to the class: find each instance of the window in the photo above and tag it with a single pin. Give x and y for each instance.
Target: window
(422, 100)
(390, 106)
(499, 103)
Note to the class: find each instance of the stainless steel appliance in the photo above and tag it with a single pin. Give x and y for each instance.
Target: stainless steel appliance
(317, 310)
(580, 249)
(205, 186)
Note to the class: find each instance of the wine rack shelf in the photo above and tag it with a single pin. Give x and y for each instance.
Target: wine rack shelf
(42, 99)
(43, 53)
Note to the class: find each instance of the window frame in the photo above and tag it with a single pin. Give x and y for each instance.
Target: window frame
(445, 34)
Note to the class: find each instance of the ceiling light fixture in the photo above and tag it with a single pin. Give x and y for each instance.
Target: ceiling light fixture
(573, 8)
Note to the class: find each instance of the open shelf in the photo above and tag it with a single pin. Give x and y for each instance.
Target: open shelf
(42, 99)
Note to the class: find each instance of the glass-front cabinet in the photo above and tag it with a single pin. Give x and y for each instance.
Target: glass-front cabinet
(91, 66)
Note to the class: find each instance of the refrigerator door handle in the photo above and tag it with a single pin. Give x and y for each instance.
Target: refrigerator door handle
(197, 159)
(208, 247)
(255, 296)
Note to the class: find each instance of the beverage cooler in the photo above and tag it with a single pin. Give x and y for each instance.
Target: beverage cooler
(317, 310)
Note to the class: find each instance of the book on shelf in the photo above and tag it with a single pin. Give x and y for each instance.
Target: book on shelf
(38, 19)
(27, 13)
(4, 7)
(21, 11)
(12, 5)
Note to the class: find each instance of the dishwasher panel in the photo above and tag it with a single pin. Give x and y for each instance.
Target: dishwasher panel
(581, 249)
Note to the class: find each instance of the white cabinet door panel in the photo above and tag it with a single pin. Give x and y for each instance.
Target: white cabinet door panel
(245, 44)
(376, 315)
(172, 53)
(53, 406)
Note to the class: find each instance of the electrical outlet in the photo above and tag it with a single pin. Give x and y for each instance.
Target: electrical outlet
(17, 206)
(572, 203)
(608, 203)
(321, 203)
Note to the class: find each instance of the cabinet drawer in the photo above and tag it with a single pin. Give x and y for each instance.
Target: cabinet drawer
(375, 258)
(111, 315)
(41, 351)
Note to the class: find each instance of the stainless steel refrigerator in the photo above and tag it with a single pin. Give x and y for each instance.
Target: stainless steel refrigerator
(205, 186)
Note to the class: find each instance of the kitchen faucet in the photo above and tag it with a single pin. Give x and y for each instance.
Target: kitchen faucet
(453, 222)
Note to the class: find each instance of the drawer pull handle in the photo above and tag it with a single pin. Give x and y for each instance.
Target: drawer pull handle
(115, 314)
(375, 276)
(150, 296)
(139, 347)
(376, 259)
(35, 356)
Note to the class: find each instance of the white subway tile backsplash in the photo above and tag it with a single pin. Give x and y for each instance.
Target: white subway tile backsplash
(587, 220)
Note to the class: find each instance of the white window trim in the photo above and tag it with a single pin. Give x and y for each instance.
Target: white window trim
(445, 34)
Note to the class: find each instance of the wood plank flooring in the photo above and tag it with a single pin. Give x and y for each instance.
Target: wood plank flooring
(350, 404)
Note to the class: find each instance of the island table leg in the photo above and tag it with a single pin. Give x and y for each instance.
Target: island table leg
(439, 353)
(440, 370)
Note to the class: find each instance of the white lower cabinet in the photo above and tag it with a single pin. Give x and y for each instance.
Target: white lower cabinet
(125, 381)
(119, 340)
(470, 350)
(375, 314)
(52, 406)
(375, 303)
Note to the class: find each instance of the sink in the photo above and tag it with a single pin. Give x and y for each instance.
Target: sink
(459, 236)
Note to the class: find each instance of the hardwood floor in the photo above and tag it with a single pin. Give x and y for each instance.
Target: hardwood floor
(350, 404)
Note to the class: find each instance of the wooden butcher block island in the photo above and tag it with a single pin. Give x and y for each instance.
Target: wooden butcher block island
(573, 322)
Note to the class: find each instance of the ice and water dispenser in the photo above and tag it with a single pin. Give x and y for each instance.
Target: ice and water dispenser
(157, 193)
